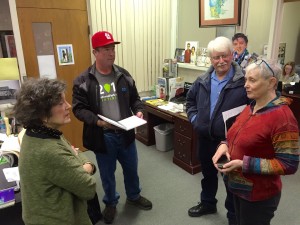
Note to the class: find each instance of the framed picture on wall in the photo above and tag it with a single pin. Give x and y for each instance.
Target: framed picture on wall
(10, 46)
(7, 42)
(219, 12)
(65, 54)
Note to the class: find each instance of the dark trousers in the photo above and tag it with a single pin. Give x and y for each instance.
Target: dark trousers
(94, 209)
(258, 213)
(209, 183)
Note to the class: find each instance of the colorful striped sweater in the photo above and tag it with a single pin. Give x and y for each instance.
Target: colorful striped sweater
(267, 142)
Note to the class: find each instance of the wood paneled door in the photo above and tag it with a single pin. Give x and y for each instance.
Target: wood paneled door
(43, 26)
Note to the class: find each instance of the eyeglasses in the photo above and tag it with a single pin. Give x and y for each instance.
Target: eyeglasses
(219, 57)
(260, 61)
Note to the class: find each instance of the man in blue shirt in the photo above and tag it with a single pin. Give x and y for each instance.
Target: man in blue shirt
(220, 89)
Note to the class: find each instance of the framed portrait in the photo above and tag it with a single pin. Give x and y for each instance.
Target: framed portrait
(179, 54)
(10, 46)
(7, 41)
(65, 54)
(219, 12)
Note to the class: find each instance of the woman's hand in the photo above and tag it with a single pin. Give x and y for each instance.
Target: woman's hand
(221, 150)
(232, 165)
(89, 167)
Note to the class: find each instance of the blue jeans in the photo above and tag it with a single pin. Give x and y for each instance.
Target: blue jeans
(107, 163)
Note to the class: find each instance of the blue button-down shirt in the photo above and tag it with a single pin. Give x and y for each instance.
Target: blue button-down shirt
(217, 86)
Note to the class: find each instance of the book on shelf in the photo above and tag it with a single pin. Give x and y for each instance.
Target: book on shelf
(125, 124)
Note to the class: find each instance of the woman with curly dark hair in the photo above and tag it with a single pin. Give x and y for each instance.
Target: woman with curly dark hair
(56, 181)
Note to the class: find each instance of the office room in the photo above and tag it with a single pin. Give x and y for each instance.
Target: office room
(149, 32)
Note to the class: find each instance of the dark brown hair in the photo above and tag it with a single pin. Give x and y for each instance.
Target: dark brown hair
(35, 100)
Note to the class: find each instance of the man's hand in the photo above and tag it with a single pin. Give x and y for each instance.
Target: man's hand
(104, 124)
(140, 115)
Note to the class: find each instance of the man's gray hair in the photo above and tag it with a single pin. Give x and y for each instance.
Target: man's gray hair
(219, 44)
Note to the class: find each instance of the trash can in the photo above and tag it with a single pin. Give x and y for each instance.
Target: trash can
(164, 135)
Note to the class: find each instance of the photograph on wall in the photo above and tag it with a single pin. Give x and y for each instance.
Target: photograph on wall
(281, 52)
(65, 54)
(10, 46)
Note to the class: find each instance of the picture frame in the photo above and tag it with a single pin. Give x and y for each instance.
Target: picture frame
(179, 54)
(212, 14)
(10, 46)
(190, 51)
(65, 54)
(4, 48)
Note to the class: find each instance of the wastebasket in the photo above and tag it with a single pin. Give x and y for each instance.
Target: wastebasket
(164, 135)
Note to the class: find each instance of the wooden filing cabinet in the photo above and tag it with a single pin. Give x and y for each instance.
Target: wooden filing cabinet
(185, 146)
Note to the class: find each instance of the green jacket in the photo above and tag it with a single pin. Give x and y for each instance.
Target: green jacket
(54, 185)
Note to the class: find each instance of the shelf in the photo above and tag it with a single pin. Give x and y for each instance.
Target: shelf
(191, 66)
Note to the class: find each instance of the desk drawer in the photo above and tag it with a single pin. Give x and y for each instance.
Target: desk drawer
(183, 127)
(182, 148)
(159, 113)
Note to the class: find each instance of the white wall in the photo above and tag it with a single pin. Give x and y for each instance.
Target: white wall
(188, 25)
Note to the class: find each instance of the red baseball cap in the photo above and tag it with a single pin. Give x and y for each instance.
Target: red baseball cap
(103, 38)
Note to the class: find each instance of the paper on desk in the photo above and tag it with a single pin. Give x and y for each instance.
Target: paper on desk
(10, 143)
(230, 115)
(172, 107)
(11, 174)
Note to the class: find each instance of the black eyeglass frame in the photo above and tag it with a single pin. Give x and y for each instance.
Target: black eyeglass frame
(260, 61)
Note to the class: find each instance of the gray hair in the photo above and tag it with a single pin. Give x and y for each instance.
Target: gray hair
(264, 70)
(219, 44)
(35, 100)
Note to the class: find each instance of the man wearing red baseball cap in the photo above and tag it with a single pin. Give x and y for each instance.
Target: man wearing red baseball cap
(109, 90)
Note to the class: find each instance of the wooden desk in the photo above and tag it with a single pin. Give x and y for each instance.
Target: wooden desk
(295, 106)
(185, 138)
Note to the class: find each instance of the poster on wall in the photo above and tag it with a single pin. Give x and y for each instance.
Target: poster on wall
(10, 46)
(9, 80)
(65, 54)
(281, 52)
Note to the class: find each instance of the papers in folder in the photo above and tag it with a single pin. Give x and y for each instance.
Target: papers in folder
(126, 124)
(229, 116)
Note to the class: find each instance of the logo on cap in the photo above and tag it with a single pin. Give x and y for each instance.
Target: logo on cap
(107, 36)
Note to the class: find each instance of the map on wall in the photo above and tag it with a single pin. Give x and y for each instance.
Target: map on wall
(218, 9)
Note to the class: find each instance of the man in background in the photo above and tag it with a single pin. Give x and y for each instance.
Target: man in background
(220, 89)
(109, 90)
(240, 54)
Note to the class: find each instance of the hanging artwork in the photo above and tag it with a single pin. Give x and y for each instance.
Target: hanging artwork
(65, 54)
(219, 12)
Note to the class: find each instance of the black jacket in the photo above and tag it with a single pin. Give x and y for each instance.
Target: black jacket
(198, 103)
(86, 105)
